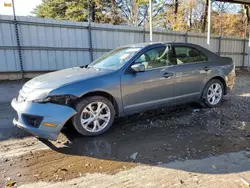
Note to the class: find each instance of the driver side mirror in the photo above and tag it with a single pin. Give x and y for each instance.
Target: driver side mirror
(138, 67)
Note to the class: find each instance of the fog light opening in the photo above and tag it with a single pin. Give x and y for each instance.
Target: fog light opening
(32, 120)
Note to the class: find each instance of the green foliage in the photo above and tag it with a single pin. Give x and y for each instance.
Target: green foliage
(102, 11)
(52, 9)
(77, 10)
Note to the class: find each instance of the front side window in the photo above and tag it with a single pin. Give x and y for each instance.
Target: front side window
(155, 58)
(115, 59)
(186, 55)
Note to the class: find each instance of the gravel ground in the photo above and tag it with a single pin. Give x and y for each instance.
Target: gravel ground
(185, 145)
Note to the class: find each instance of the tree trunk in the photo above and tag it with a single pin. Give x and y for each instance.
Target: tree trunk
(176, 7)
(93, 12)
(204, 22)
(248, 13)
(190, 18)
(134, 13)
(221, 23)
(247, 8)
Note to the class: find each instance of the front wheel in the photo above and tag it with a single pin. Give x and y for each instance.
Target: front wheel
(213, 93)
(95, 115)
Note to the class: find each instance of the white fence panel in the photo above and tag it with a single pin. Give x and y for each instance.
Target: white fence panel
(48, 44)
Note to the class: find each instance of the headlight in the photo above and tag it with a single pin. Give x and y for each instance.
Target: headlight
(67, 100)
(37, 95)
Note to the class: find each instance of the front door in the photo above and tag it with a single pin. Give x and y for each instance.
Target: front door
(191, 69)
(153, 87)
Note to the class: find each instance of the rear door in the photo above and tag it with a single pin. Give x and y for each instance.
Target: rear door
(191, 69)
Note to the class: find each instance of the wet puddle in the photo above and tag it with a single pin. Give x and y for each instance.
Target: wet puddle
(242, 125)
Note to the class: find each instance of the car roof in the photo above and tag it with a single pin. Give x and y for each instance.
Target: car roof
(147, 44)
(207, 52)
(142, 45)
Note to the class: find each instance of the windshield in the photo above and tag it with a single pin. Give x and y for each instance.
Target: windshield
(115, 59)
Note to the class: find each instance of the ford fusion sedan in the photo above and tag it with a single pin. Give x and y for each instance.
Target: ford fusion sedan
(127, 80)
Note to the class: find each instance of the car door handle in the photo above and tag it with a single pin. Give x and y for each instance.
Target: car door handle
(207, 69)
(167, 75)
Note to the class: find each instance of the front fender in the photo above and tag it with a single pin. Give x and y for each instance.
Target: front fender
(105, 84)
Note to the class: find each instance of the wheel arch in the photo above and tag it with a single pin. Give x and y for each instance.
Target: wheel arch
(103, 94)
(220, 78)
(222, 81)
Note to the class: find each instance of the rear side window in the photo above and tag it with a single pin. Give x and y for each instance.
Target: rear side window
(185, 55)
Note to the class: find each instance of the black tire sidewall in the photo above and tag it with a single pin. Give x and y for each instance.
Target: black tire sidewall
(205, 91)
(81, 105)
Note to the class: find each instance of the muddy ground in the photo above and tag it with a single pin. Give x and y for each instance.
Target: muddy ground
(181, 141)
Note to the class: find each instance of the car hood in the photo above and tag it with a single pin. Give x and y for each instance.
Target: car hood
(63, 77)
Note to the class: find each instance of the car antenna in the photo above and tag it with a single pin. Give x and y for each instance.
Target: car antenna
(174, 40)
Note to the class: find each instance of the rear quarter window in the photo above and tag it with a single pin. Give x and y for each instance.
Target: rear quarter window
(186, 55)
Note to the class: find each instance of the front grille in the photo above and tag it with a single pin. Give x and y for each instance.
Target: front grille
(32, 120)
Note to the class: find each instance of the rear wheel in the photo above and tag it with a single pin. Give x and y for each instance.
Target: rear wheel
(213, 93)
(95, 115)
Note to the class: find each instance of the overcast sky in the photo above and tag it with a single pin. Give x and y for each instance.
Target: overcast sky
(23, 7)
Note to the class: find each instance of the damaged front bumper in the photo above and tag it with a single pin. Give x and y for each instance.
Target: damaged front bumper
(44, 120)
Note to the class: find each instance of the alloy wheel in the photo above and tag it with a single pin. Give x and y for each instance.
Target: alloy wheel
(214, 94)
(95, 116)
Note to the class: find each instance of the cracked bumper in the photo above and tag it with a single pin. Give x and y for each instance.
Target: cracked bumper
(51, 113)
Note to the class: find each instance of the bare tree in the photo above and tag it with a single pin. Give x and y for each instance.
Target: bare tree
(136, 11)
(221, 8)
(247, 8)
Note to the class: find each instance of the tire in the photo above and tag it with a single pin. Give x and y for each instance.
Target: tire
(207, 93)
(90, 117)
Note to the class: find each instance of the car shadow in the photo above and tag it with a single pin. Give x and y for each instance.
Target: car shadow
(180, 133)
(8, 91)
(7, 129)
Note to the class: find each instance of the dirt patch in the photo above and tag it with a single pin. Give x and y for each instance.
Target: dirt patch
(218, 172)
(53, 166)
